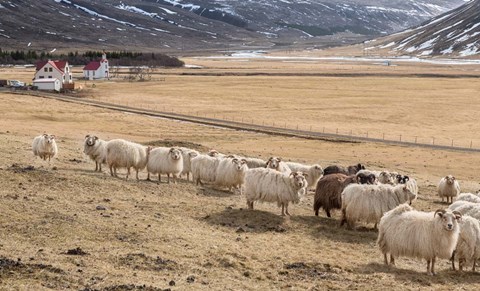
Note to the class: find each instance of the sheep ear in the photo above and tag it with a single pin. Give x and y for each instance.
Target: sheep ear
(458, 215)
(243, 161)
(294, 174)
(279, 159)
(95, 137)
(230, 157)
(305, 174)
(87, 136)
(454, 178)
(45, 135)
(52, 136)
(406, 178)
(192, 154)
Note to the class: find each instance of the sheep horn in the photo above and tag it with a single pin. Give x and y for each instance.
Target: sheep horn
(52, 136)
(244, 161)
(95, 137)
(87, 136)
(457, 214)
(440, 212)
(230, 156)
(234, 160)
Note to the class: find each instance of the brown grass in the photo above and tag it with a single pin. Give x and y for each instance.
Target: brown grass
(152, 234)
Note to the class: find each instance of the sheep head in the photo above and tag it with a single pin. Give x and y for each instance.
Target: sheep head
(49, 138)
(450, 179)
(299, 179)
(90, 140)
(273, 163)
(448, 218)
(175, 154)
(240, 165)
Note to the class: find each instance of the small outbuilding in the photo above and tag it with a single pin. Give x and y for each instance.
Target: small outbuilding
(52, 84)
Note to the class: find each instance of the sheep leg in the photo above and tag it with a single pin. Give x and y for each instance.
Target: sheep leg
(128, 173)
(138, 179)
(111, 171)
(286, 209)
(159, 178)
(385, 260)
(433, 266)
(327, 211)
(283, 209)
(188, 176)
(453, 261)
(428, 267)
(250, 204)
(148, 176)
(392, 260)
(344, 217)
(99, 167)
(375, 226)
(96, 166)
(474, 263)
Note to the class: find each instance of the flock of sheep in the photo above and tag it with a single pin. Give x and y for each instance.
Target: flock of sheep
(379, 197)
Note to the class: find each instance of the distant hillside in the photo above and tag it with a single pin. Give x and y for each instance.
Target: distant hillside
(178, 26)
(453, 34)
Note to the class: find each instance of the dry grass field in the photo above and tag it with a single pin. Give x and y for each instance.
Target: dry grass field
(154, 237)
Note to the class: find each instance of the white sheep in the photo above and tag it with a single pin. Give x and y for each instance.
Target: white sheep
(406, 232)
(167, 161)
(255, 163)
(45, 146)
(126, 154)
(449, 188)
(267, 185)
(385, 177)
(468, 197)
(369, 202)
(215, 154)
(468, 245)
(463, 206)
(188, 155)
(314, 172)
(96, 149)
(411, 183)
(204, 169)
(231, 173)
(278, 165)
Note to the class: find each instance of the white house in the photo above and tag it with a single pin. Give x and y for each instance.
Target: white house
(52, 84)
(97, 70)
(54, 70)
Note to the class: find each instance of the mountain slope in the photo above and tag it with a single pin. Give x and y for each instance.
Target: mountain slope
(455, 33)
(176, 25)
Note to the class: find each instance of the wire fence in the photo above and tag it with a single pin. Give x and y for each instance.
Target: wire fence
(320, 130)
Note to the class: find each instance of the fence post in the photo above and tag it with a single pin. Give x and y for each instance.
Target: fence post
(324, 129)
(350, 132)
(285, 124)
(273, 124)
(310, 128)
(433, 142)
(415, 139)
(337, 131)
(471, 143)
(383, 136)
(400, 137)
(297, 126)
(452, 142)
(367, 134)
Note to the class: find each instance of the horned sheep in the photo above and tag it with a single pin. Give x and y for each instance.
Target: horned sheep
(125, 154)
(449, 188)
(231, 173)
(314, 172)
(386, 178)
(278, 165)
(268, 185)
(96, 149)
(328, 192)
(164, 160)
(369, 202)
(45, 146)
(468, 197)
(366, 177)
(404, 231)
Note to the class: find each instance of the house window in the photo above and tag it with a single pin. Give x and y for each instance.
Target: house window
(41, 77)
(49, 77)
(94, 73)
(63, 78)
(50, 69)
(45, 69)
(66, 69)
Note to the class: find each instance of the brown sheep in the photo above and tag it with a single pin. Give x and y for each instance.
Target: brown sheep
(329, 190)
(350, 170)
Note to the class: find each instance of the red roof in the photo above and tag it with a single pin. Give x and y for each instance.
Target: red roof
(92, 66)
(59, 65)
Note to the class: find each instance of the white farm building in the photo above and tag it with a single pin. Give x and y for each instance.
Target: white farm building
(97, 70)
(51, 84)
(54, 70)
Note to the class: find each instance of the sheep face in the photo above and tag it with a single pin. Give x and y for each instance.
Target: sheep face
(385, 177)
(240, 165)
(49, 138)
(192, 155)
(175, 154)
(448, 218)
(299, 179)
(318, 169)
(410, 194)
(450, 179)
(90, 140)
(366, 179)
(402, 179)
(273, 162)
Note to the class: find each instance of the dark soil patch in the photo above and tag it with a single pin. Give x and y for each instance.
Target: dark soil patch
(130, 287)
(10, 267)
(302, 270)
(16, 168)
(76, 252)
(143, 262)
